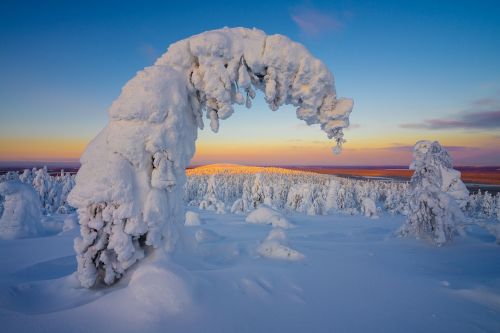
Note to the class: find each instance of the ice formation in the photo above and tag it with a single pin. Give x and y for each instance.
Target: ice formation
(21, 213)
(129, 189)
(435, 194)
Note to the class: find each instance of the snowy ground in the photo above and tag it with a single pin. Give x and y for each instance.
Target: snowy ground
(356, 277)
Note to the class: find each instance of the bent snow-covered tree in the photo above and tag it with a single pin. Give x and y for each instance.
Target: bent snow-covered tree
(129, 189)
(435, 195)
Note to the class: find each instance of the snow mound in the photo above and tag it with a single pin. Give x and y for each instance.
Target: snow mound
(207, 235)
(238, 207)
(21, 211)
(275, 246)
(156, 290)
(193, 219)
(70, 223)
(266, 215)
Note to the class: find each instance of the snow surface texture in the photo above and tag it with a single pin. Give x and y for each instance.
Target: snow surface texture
(357, 277)
(21, 212)
(436, 194)
(129, 188)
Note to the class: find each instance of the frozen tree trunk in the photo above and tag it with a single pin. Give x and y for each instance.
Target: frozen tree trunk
(433, 213)
(128, 191)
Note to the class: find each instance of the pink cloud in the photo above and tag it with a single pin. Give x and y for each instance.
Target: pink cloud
(313, 22)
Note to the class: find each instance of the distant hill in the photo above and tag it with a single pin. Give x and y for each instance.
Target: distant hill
(240, 169)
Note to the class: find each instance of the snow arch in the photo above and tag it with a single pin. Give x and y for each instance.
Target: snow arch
(129, 188)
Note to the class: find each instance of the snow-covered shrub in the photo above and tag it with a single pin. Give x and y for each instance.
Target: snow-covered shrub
(368, 208)
(192, 219)
(130, 186)
(238, 207)
(433, 213)
(275, 246)
(305, 198)
(21, 213)
(267, 215)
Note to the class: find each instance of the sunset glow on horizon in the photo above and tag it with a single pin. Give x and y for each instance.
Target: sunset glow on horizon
(409, 74)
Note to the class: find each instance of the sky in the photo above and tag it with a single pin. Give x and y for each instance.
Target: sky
(415, 70)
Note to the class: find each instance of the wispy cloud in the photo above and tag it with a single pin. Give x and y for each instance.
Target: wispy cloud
(353, 126)
(402, 148)
(481, 114)
(313, 22)
(148, 51)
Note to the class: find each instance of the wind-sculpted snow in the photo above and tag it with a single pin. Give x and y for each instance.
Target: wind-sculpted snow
(129, 189)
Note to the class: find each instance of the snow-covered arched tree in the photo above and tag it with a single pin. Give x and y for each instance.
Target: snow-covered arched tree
(129, 188)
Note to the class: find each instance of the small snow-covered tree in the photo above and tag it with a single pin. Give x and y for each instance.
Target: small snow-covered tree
(246, 196)
(368, 207)
(42, 184)
(21, 213)
(433, 213)
(257, 191)
(497, 208)
(211, 201)
(331, 204)
(487, 208)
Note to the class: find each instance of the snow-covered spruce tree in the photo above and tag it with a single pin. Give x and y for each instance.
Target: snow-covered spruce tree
(331, 204)
(257, 191)
(210, 201)
(433, 213)
(43, 185)
(129, 188)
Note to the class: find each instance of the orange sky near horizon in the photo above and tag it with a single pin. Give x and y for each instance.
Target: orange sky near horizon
(358, 151)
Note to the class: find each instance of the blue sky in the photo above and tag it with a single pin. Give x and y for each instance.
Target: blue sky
(416, 69)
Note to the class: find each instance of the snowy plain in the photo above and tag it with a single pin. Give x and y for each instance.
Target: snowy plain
(356, 276)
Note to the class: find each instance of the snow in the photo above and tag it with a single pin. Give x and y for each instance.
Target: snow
(356, 277)
(368, 208)
(267, 215)
(192, 219)
(21, 213)
(275, 247)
